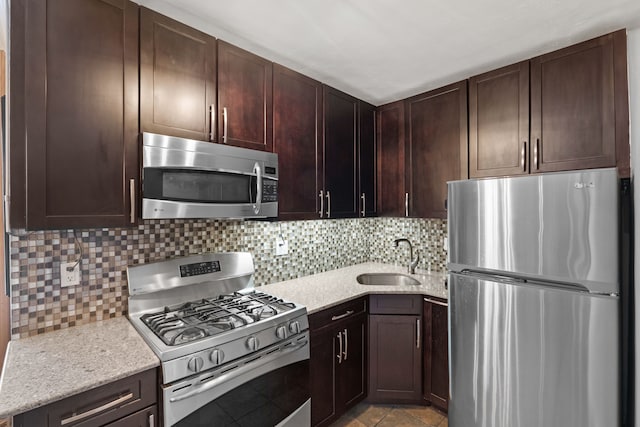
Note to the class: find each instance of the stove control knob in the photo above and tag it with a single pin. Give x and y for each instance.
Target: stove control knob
(294, 327)
(216, 356)
(195, 364)
(281, 332)
(252, 343)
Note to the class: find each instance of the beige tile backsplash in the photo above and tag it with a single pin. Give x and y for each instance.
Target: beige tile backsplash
(39, 304)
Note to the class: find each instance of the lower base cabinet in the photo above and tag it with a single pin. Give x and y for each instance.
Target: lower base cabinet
(436, 353)
(395, 349)
(338, 360)
(129, 402)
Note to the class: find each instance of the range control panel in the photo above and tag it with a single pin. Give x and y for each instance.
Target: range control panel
(199, 268)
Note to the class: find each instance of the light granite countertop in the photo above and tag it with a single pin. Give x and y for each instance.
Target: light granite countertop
(324, 290)
(45, 368)
(52, 366)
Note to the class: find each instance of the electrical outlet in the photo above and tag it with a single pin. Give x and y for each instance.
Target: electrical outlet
(69, 278)
(282, 247)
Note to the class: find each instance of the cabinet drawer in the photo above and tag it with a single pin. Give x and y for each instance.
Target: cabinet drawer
(395, 304)
(338, 313)
(99, 406)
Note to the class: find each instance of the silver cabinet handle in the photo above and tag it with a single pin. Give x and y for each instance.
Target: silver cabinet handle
(225, 122)
(342, 316)
(340, 350)
(212, 116)
(406, 204)
(443, 304)
(114, 403)
(418, 333)
(132, 196)
(524, 151)
(346, 345)
(535, 153)
(364, 205)
(151, 421)
(321, 195)
(328, 204)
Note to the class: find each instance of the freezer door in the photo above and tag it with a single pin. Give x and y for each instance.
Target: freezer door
(527, 356)
(558, 226)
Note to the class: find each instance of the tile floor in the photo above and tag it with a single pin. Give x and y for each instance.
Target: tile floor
(368, 415)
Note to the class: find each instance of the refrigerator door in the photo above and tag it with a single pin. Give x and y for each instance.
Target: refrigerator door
(529, 356)
(560, 227)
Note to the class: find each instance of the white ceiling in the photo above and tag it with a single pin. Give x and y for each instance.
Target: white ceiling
(385, 50)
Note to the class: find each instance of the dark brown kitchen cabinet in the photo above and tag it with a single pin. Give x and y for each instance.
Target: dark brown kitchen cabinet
(297, 139)
(177, 78)
(573, 106)
(245, 92)
(340, 154)
(436, 129)
(436, 353)
(395, 349)
(499, 122)
(338, 360)
(127, 402)
(367, 159)
(74, 86)
(564, 110)
(390, 162)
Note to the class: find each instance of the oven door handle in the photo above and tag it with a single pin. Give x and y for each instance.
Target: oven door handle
(239, 371)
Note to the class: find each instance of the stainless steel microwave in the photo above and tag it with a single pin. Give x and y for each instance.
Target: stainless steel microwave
(183, 178)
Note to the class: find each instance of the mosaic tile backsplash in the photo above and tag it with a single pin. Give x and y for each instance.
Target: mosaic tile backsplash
(39, 304)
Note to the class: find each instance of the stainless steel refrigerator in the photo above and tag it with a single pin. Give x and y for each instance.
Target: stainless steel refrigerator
(534, 307)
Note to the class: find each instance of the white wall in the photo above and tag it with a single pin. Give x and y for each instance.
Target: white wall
(633, 49)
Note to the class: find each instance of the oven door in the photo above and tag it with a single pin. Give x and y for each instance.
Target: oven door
(267, 388)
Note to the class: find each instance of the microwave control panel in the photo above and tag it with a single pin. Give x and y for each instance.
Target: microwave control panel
(269, 190)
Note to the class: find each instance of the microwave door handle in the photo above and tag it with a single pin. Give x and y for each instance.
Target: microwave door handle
(258, 171)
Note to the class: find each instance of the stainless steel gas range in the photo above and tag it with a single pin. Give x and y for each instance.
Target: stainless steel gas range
(231, 355)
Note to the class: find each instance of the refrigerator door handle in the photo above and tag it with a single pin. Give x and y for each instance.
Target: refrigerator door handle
(518, 280)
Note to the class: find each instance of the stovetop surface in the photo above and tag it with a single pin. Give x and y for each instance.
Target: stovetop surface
(196, 320)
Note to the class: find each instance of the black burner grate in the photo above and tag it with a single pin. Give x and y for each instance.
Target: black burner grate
(196, 320)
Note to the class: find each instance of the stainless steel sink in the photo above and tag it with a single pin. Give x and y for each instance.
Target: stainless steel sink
(387, 279)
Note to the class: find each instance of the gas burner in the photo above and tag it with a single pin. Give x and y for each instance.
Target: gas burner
(187, 335)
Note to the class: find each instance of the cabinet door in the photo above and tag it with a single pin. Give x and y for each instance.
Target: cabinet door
(340, 158)
(367, 159)
(244, 98)
(437, 135)
(322, 363)
(351, 370)
(297, 138)
(436, 353)
(395, 363)
(177, 78)
(80, 65)
(573, 107)
(390, 167)
(499, 122)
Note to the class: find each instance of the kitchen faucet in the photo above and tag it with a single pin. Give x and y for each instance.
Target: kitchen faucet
(412, 262)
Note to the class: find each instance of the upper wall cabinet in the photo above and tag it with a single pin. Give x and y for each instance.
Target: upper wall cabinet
(578, 116)
(297, 138)
(340, 154)
(177, 78)
(74, 86)
(367, 159)
(390, 163)
(573, 105)
(436, 129)
(499, 122)
(244, 98)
